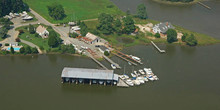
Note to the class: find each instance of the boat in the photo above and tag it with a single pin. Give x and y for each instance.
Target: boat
(108, 82)
(94, 81)
(125, 76)
(129, 82)
(115, 82)
(145, 79)
(151, 78)
(73, 80)
(113, 66)
(136, 82)
(80, 80)
(101, 82)
(133, 75)
(135, 58)
(140, 79)
(142, 72)
(135, 72)
(155, 77)
(67, 79)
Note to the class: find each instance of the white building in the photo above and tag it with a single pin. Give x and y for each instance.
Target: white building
(162, 27)
(91, 38)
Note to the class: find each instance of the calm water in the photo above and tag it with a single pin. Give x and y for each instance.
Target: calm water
(189, 77)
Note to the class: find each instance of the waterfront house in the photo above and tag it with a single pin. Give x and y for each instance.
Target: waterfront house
(42, 31)
(162, 27)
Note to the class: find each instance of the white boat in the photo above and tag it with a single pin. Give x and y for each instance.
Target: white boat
(80, 80)
(151, 78)
(142, 72)
(101, 82)
(113, 66)
(125, 76)
(155, 77)
(145, 79)
(129, 82)
(115, 83)
(135, 58)
(129, 63)
(94, 81)
(140, 79)
(136, 82)
(133, 75)
(135, 72)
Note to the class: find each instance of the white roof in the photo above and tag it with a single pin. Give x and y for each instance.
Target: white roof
(91, 36)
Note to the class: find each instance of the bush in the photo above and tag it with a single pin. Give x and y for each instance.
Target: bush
(157, 35)
(28, 50)
(171, 36)
(106, 53)
(12, 50)
(184, 37)
(31, 29)
(34, 50)
(22, 50)
(17, 39)
(21, 31)
(67, 49)
(149, 34)
(73, 35)
(110, 6)
(6, 44)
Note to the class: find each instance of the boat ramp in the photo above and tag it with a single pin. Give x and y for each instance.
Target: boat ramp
(112, 62)
(161, 51)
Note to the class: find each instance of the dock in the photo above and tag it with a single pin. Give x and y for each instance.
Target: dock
(98, 62)
(124, 59)
(161, 51)
(127, 56)
(112, 62)
(121, 83)
(204, 5)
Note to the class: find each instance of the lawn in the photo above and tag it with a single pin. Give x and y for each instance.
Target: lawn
(75, 9)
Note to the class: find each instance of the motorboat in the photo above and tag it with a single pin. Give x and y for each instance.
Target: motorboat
(136, 82)
(140, 79)
(108, 81)
(67, 79)
(155, 77)
(101, 82)
(94, 81)
(129, 63)
(73, 80)
(135, 58)
(142, 72)
(126, 76)
(135, 72)
(113, 66)
(133, 75)
(129, 82)
(145, 79)
(151, 78)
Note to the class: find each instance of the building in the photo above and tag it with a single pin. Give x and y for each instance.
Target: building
(91, 76)
(91, 38)
(42, 31)
(162, 27)
(103, 49)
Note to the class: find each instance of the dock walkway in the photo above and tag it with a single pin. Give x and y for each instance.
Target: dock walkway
(124, 59)
(161, 51)
(112, 62)
(206, 6)
(98, 62)
(127, 56)
(121, 83)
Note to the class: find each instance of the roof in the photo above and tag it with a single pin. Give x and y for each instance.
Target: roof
(89, 74)
(91, 36)
(40, 29)
(165, 26)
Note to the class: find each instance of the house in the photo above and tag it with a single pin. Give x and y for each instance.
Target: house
(103, 49)
(91, 38)
(42, 31)
(162, 27)
(13, 44)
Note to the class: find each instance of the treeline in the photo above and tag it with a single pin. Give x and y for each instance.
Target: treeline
(7, 6)
(180, 0)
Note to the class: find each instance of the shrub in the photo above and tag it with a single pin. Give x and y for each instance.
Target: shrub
(22, 50)
(110, 6)
(21, 31)
(6, 44)
(106, 53)
(18, 39)
(184, 37)
(191, 40)
(73, 35)
(157, 35)
(34, 50)
(12, 50)
(171, 36)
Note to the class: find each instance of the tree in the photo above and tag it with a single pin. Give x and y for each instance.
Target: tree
(118, 26)
(105, 24)
(52, 41)
(56, 11)
(3, 32)
(157, 35)
(83, 29)
(22, 50)
(12, 50)
(34, 50)
(171, 36)
(68, 49)
(141, 11)
(18, 39)
(184, 37)
(106, 53)
(73, 35)
(31, 29)
(191, 40)
(28, 50)
(129, 26)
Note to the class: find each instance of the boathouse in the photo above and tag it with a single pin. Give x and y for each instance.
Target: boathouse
(90, 76)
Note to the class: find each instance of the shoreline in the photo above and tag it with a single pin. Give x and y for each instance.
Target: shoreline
(177, 3)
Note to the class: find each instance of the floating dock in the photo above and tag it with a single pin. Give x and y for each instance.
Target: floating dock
(110, 61)
(90, 76)
(161, 51)
(98, 62)
(127, 56)
(204, 5)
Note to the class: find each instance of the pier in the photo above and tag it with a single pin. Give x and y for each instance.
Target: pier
(121, 83)
(98, 62)
(161, 51)
(127, 56)
(204, 5)
(124, 59)
(110, 61)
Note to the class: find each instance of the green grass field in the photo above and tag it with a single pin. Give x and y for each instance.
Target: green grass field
(75, 9)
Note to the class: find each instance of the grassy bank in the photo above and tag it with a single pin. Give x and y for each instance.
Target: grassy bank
(75, 9)
(177, 3)
(120, 41)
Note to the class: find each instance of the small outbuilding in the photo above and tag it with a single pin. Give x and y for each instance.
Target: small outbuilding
(42, 31)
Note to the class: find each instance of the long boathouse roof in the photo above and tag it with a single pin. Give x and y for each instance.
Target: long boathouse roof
(89, 74)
